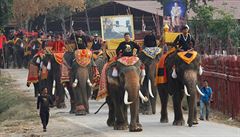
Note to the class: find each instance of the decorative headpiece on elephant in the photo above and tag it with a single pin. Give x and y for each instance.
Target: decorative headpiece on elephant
(182, 71)
(124, 90)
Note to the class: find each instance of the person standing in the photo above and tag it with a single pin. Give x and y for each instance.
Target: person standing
(205, 100)
(43, 102)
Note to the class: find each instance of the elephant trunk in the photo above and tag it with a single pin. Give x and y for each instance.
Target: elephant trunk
(131, 86)
(190, 81)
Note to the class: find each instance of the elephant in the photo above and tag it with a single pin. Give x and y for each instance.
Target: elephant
(181, 79)
(124, 90)
(80, 79)
(150, 57)
(53, 81)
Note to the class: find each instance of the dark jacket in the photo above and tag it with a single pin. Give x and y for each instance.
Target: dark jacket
(184, 43)
(126, 48)
(43, 102)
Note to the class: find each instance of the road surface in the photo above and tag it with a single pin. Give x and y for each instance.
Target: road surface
(96, 124)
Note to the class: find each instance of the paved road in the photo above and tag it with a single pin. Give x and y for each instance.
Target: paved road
(151, 125)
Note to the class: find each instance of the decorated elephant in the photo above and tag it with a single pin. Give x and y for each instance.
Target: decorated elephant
(123, 85)
(81, 80)
(150, 57)
(53, 82)
(177, 75)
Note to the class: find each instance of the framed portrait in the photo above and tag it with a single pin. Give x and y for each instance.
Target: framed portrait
(174, 13)
(114, 27)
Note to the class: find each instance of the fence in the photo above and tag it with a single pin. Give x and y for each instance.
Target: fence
(223, 75)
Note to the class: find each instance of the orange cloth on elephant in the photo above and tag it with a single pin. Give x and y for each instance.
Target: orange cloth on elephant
(65, 72)
(83, 57)
(58, 57)
(32, 73)
(58, 46)
(161, 77)
(188, 56)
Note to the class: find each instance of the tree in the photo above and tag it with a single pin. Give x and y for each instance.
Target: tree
(5, 12)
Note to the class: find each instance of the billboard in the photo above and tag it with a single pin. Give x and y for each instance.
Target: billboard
(174, 14)
(114, 27)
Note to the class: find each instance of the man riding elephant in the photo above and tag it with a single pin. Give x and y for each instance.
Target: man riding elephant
(177, 74)
(150, 56)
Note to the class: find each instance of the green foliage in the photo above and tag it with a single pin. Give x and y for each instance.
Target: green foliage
(210, 22)
(5, 11)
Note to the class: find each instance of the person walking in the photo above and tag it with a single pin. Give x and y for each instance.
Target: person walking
(43, 102)
(205, 100)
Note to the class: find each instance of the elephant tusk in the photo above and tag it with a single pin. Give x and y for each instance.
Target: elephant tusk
(54, 87)
(89, 83)
(49, 66)
(150, 88)
(41, 64)
(75, 83)
(143, 74)
(185, 90)
(145, 99)
(65, 88)
(126, 99)
(174, 74)
(199, 91)
(200, 70)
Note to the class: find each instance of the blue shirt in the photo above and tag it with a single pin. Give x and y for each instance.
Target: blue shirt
(207, 94)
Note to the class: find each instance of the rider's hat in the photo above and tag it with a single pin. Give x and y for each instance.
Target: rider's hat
(185, 27)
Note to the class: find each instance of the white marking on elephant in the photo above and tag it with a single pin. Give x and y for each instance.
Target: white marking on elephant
(199, 91)
(38, 60)
(54, 87)
(65, 88)
(144, 98)
(75, 83)
(150, 88)
(41, 64)
(174, 74)
(49, 65)
(185, 90)
(126, 98)
(115, 72)
(200, 70)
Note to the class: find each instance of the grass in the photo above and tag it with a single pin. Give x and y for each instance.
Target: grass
(13, 104)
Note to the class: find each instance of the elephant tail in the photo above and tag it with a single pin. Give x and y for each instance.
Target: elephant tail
(100, 107)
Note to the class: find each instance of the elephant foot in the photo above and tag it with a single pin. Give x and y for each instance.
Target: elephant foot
(72, 111)
(147, 112)
(110, 122)
(80, 113)
(61, 105)
(135, 127)
(192, 122)
(120, 126)
(164, 120)
(179, 122)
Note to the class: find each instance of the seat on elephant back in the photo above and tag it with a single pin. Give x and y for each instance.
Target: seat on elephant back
(187, 56)
(152, 52)
(128, 61)
(83, 57)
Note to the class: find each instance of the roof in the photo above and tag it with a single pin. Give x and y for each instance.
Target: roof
(229, 6)
(153, 7)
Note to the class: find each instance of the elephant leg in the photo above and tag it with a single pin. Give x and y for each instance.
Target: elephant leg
(163, 94)
(145, 107)
(60, 95)
(111, 116)
(177, 104)
(192, 115)
(36, 89)
(71, 93)
(81, 97)
(135, 126)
